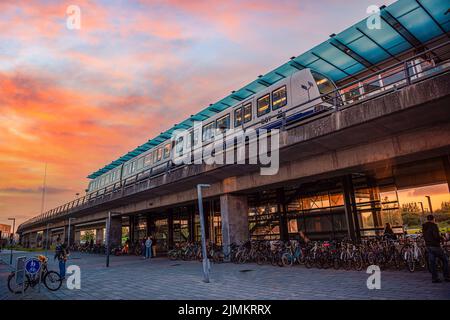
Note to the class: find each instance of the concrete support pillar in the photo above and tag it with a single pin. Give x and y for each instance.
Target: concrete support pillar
(33, 239)
(70, 238)
(116, 232)
(76, 237)
(99, 236)
(234, 215)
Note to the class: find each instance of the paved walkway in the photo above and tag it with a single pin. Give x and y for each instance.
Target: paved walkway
(130, 277)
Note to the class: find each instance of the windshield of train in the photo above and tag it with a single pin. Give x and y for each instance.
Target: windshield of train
(324, 84)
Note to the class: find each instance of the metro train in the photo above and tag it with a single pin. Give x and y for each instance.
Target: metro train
(294, 98)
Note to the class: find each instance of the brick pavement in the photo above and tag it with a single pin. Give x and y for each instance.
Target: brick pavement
(134, 278)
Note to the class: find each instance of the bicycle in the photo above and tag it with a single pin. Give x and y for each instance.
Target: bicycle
(51, 279)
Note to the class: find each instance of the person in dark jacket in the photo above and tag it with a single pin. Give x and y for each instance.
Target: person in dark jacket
(388, 232)
(432, 239)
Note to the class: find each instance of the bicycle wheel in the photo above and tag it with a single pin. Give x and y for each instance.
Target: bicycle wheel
(357, 262)
(287, 260)
(14, 287)
(261, 259)
(336, 263)
(410, 263)
(52, 281)
(308, 262)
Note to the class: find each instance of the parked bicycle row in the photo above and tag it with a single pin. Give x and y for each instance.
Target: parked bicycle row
(405, 253)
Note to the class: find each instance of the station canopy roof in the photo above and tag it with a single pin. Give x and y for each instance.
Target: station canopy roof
(405, 24)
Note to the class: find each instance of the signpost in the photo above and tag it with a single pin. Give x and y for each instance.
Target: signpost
(33, 266)
(206, 266)
(20, 273)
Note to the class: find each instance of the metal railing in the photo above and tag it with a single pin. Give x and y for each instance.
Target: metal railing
(407, 72)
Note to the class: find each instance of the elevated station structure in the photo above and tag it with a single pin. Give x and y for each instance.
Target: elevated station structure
(341, 173)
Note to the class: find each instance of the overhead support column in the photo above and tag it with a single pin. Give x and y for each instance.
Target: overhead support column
(350, 208)
(68, 236)
(33, 239)
(234, 214)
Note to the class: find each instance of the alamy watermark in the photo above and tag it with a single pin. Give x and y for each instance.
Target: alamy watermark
(73, 21)
(374, 280)
(374, 20)
(74, 278)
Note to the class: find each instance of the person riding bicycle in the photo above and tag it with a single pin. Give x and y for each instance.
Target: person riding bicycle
(61, 255)
(433, 243)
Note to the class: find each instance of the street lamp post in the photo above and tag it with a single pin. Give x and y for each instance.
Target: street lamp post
(108, 227)
(108, 236)
(11, 239)
(68, 233)
(429, 203)
(202, 227)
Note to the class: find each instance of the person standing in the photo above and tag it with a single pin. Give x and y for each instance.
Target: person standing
(388, 232)
(432, 239)
(143, 247)
(148, 248)
(61, 255)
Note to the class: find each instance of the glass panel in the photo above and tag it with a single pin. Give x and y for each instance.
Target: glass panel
(157, 155)
(263, 105)
(279, 98)
(148, 160)
(247, 112)
(140, 163)
(223, 123)
(237, 117)
(208, 131)
(324, 85)
(167, 150)
(179, 146)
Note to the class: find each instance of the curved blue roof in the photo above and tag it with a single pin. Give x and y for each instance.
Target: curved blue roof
(405, 24)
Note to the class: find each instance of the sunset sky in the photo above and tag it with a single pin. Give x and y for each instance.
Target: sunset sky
(79, 99)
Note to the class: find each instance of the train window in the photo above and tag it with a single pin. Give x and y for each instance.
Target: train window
(208, 131)
(157, 155)
(148, 160)
(140, 163)
(263, 105)
(179, 146)
(324, 85)
(247, 112)
(195, 137)
(223, 123)
(133, 166)
(167, 150)
(237, 117)
(279, 98)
